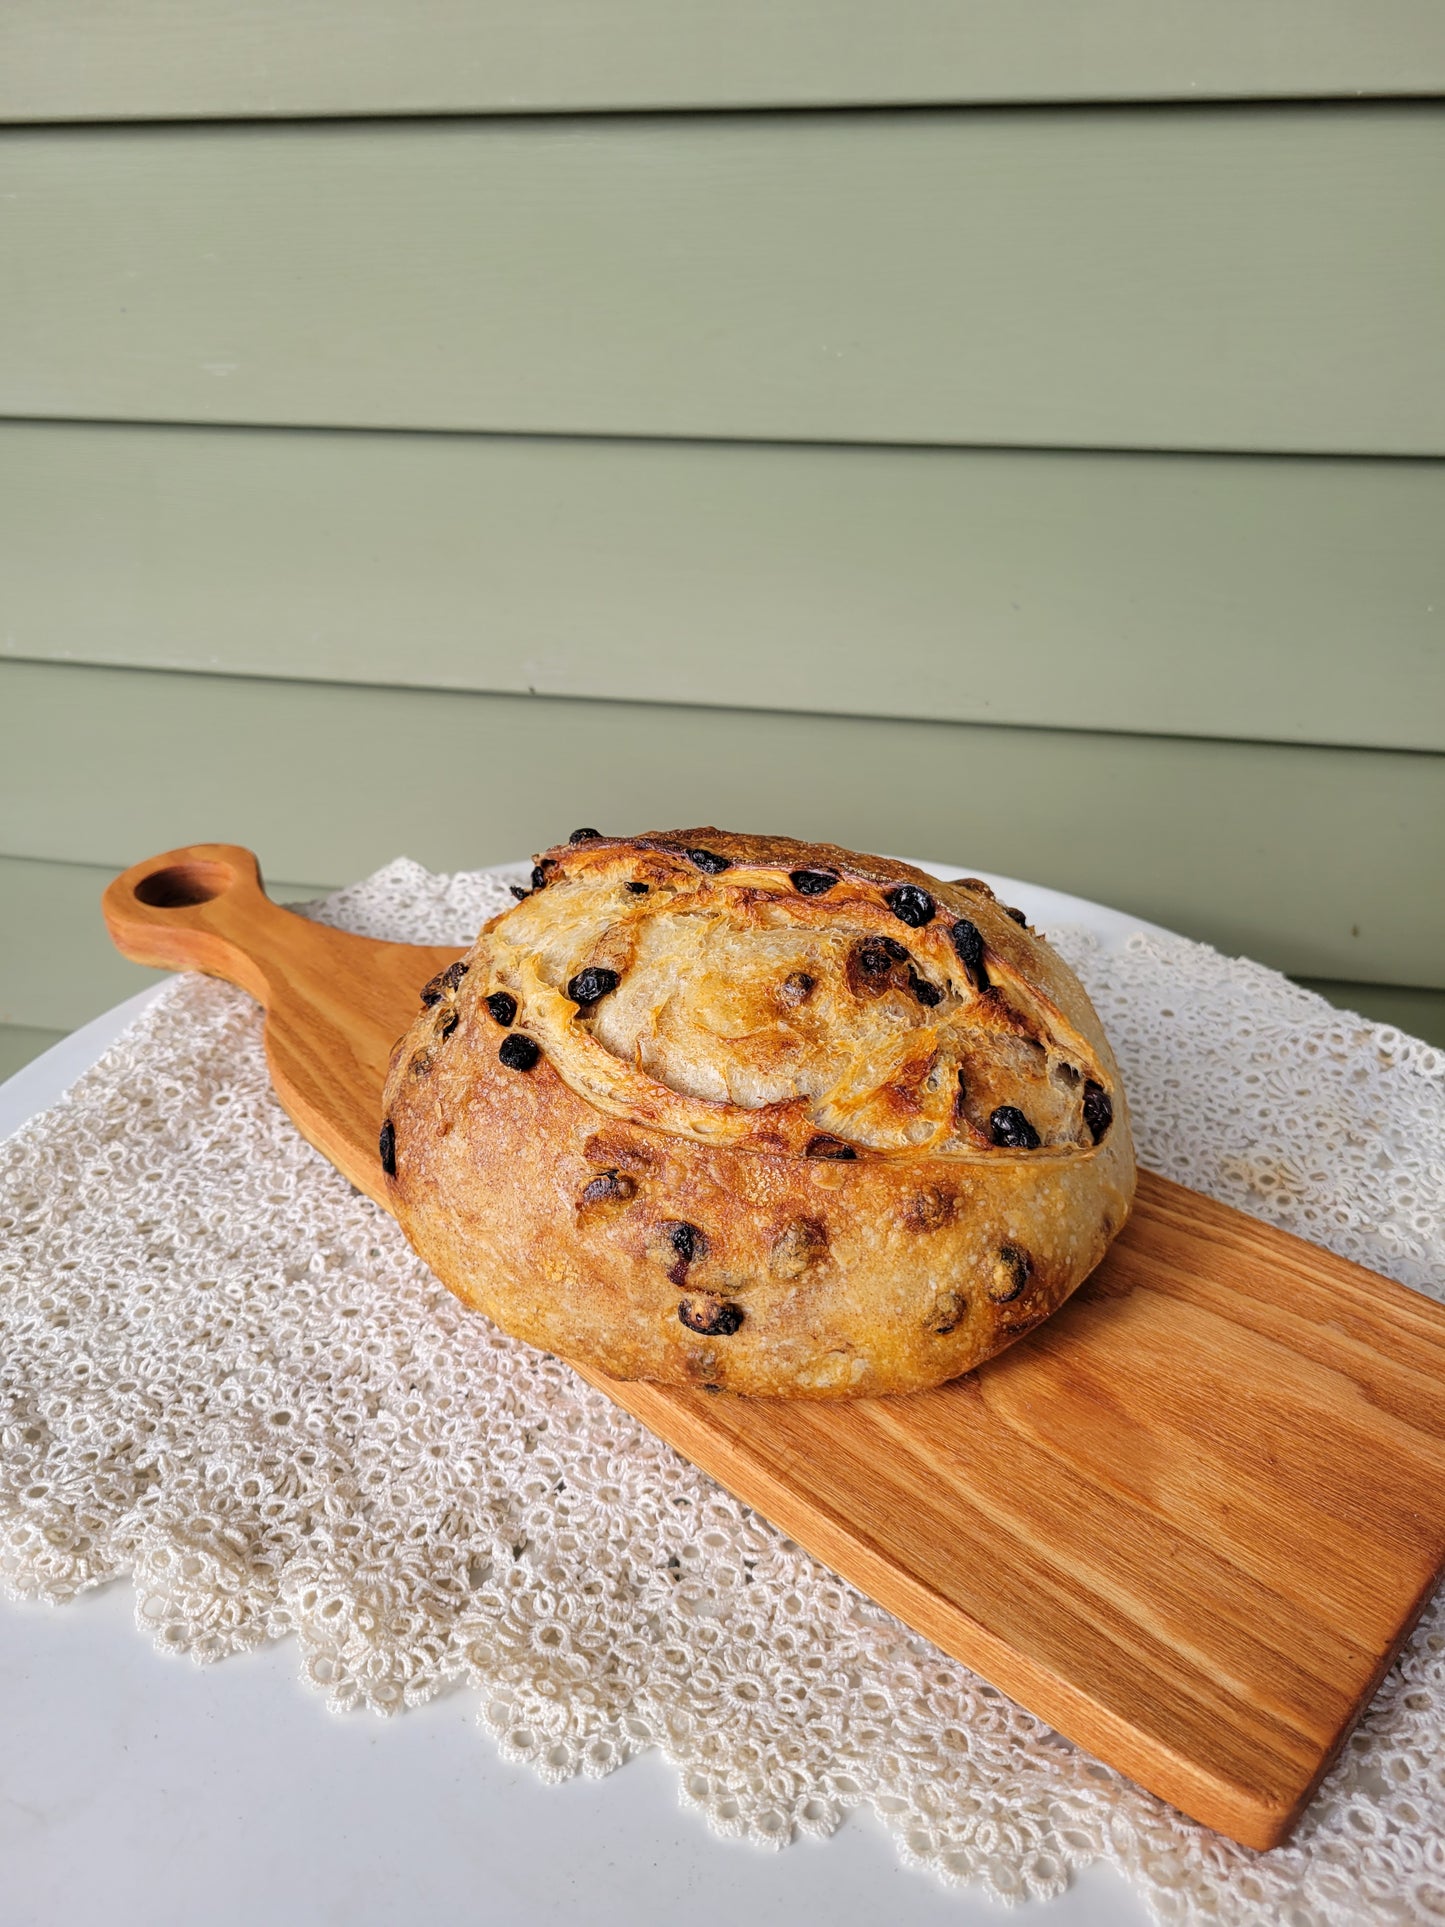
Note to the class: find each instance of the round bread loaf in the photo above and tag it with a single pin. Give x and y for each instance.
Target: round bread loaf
(757, 1115)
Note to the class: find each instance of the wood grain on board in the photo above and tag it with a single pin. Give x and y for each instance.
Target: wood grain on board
(1189, 1521)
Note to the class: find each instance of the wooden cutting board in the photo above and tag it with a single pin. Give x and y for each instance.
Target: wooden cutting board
(1189, 1521)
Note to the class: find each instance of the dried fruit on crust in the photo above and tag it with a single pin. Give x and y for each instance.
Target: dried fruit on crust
(702, 1077)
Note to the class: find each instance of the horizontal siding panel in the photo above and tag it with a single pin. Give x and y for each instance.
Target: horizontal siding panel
(19, 1044)
(152, 59)
(1241, 278)
(1214, 596)
(58, 968)
(1323, 862)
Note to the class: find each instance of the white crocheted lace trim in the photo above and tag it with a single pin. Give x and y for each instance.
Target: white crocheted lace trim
(223, 1372)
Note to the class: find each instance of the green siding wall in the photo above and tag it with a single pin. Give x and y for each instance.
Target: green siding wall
(410, 449)
(1266, 278)
(20, 1043)
(1308, 858)
(1276, 600)
(152, 59)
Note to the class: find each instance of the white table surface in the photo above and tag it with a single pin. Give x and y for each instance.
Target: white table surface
(140, 1788)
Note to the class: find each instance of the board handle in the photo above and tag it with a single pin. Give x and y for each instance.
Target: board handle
(202, 907)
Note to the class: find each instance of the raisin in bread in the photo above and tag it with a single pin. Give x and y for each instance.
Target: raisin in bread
(747, 1113)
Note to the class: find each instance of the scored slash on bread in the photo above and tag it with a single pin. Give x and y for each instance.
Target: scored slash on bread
(759, 1115)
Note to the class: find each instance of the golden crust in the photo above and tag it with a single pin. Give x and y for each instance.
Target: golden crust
(768, 1125)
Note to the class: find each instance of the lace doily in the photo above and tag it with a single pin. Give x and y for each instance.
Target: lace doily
(223, 1372)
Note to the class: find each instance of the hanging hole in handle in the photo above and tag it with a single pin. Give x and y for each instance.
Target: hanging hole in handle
(181, 884)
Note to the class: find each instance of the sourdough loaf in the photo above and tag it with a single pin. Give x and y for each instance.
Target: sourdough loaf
(758, 1115)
